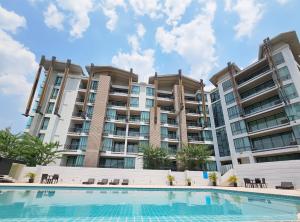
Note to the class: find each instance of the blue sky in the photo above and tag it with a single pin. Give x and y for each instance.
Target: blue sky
(197, 36)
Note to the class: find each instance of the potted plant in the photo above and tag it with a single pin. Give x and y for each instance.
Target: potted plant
(171, 179)
(31, 177)
(189, 181)
(233, 180)
(213, 178)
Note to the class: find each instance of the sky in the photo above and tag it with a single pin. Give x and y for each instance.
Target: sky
(197, 36)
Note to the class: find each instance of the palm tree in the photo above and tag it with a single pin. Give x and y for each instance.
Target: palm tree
(154, 157)
(193, 156)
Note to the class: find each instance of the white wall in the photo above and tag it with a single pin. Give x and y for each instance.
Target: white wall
(273, 172)
(76, 175)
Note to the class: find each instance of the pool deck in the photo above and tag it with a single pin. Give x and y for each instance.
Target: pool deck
(293, 193)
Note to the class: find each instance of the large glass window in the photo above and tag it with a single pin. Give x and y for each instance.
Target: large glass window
(227, 85)
(94, 85)
(135, 89)
(150, 91)
(290, 91)
(273, 141)
(50, 107)
(218, 114)
(242, 144)
(45, 123)
(293, 111)
(54, 93)
(149, 103)
(229, 98)
(145, 116)
(284, 73)
(215, 96)
(278, 58)
(267, 122)
(233, 112)
(92, 97)
(134, 102)
(58, 80)
(238, 127)
(207, 135)
(89, 111)
(29, 122)
(111, 163)
(223, 145)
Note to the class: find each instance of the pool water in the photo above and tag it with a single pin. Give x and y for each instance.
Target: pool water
(142, 205)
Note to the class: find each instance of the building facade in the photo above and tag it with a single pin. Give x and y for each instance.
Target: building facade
(101, 119)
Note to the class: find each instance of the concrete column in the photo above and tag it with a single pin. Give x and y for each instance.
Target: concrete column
(154, 137)
(97, 123)
(181, 115)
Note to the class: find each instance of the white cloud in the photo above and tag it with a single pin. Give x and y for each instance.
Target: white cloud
(175, 9)
(194, 41)
(142, 61)
(146, 7)
(10, 21)
(78, 11)
(109, 10)
(282, 2)
(250, 12)
(53, 18)
(141, 30)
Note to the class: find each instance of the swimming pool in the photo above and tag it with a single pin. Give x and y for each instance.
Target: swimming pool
(142, 205)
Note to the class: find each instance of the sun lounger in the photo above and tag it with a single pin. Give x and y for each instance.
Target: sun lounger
(103, 182)
(125, 182)
(114, 182)
(90, 181)
(286, 186)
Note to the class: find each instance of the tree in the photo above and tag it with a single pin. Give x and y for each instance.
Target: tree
(155, 157)
(34, 152)
(27, 148)
(193, 156)
(9, 144)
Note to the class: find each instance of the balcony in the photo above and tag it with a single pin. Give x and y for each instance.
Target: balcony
(262, 106)
(79, 99)
(77, 130)
(117, 103)
(170, 136)
(77, 114)
(193, 124)
(116, 148)
(118, 133)
(258, 73)
(120, 118)
(134, 119)
(257, 90)
(172, 122)
(192, 111)
(170, 150)
(165, 96)
(119, 91)
(132, 148)
(167, 108)
(194, 138)
(74, 147)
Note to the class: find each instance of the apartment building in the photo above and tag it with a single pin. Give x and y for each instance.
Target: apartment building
(102, 118)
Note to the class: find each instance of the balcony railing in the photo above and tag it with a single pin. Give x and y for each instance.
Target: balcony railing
(132, 149)
(170, 150)
(169, 136)
(116, 149)
(253, 75)
(194, 138)
(278, 123)
(134, 119)
(193, 124)
(80, 100)
(118, 117)
(115, 133)
(119, 91)
(170, 122)
(74, 147)
(263, 108)
(167, 108)
(274, 147)
(192, 111)
(78, 130)
(77, 114)
(165, 96)
(117, 103)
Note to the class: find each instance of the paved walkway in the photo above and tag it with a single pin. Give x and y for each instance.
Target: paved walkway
(294, 193)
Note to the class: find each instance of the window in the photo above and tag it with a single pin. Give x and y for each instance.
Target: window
(89, 111)
(29, 122)
(215, 96)
(242, 144)
(223, 145)
(134, 102)
(54, 93)
(207, 135)
(238, 127)
(41, 136)
(145, 116)
(35, 105)
(164, 118)
(233, 112)
(94, 85)
(58, 80)
(227, 85)
(45, 123)
(111, 163)
(149, 103)
(294, 156)
(290, 91)
(92, 97)
(229, 98)
(135, 89)
(150, 91)
(278, 58)
(50, 107)
(293, 111)
(284, 73)
(218, 114)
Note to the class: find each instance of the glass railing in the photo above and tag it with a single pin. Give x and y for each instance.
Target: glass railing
(262, 108)
(132, 149)
(77, 114)
(134, 119)
(194, 138)
(193, 124)
(165, 96)
(192, 111)
(80, 100)
(74, 147)
(167, 108)
(78, 130)
(268, 125)
(257, 90)
(119, 91)
(117, 103)
(169, 136)
(253, 75)
(116, 149)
